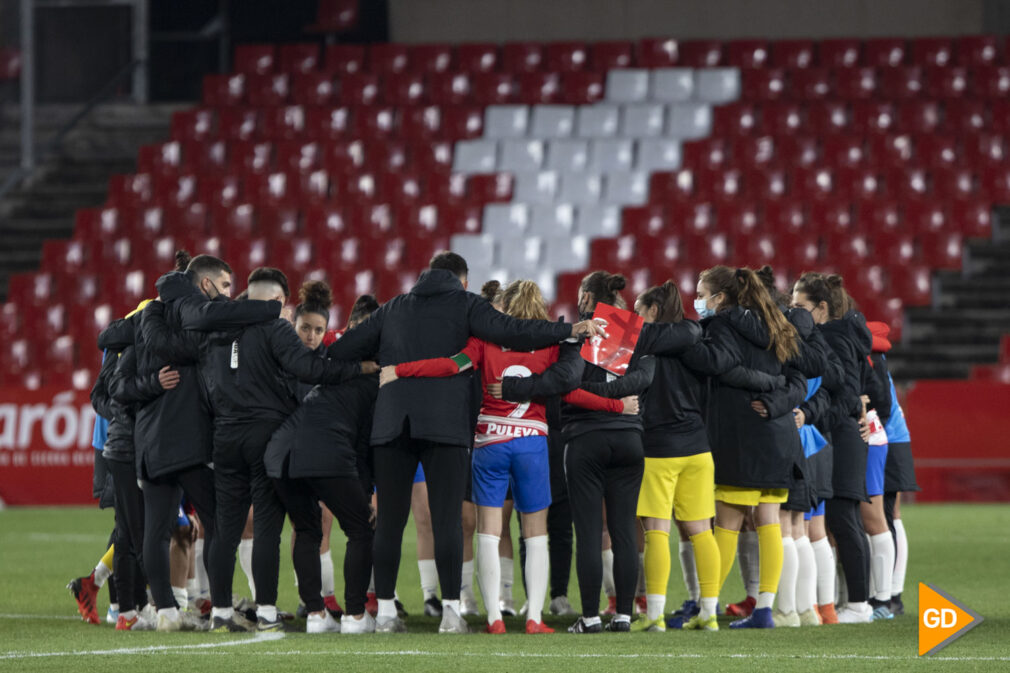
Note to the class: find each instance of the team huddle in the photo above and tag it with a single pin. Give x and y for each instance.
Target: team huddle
(768, 431)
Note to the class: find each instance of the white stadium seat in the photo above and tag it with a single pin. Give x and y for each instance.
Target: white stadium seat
(597, 121)
(642, 120)
(552, 121)
(567, 155)
(717, 85)
(536, 187)
(671, 85)
(627, 85)
(520, 155)
(505, 219)
(611, 154)
(475, 156)
(506, 121)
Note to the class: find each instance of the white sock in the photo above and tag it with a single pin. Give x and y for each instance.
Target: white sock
(640, 590)
(169, 613)
(765, 599)
(508, 571)
(326, 573)
(202, 581)
(192, 590)
(181, 596)
(429, 578)
(900, 558)
(806, 578)
(489, 571)
(223, 613)
(872, 593)
(387, 608)
(882, 564)
(128, 615)
(609, 587)
(537, 569)
(245, 562)
(267, 612)
(708, 607)
(451, 605)
(102, 573)
(825, 559)
(749, 558)
(466, 588)
(655, 606)
(787, 581)
(114, 607)
(591, 621)
(622, 618)
(371, 582)
(689, 570)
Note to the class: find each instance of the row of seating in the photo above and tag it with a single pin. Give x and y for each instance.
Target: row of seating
(684, 120)
(973, 50)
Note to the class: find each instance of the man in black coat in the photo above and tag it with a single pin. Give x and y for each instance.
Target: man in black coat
(173, 432)
(428, 420)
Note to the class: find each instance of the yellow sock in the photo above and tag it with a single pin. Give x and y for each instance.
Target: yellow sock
(707, 559)
(107, 559)
(726, 541)
(770, 548)
(657, 561)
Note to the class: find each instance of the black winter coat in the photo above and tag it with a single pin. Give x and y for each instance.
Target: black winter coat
(174, 431)
(129, 391)
(434, 320)
(749, 451)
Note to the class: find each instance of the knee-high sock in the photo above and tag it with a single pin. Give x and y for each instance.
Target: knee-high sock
(707, 557)
(429, 577)
(882, 564)
(726, 540)
(900, 558)
(489, 571)
(640, 589)
(202, 581)
(790, 572)
(747, 547)
(689, 570)
(806, 579)
(466, 588)
(103, 569)
(657, 571)
(508, 570)
(770, 555)
(609, 587)
(537, 569)
(328, 584)
(245, 554)
(825, 558)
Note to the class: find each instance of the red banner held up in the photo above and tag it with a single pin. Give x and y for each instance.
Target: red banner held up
(613, 352)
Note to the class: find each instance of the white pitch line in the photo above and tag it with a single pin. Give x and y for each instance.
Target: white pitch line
(258, 638)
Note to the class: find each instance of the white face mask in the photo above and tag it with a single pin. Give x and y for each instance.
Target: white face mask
(702, 309)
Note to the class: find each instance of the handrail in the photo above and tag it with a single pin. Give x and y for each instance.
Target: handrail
(54, 144)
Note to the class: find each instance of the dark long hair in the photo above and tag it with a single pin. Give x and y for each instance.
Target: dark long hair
(829, 288)
(667, 298)
(314, 296)
(605, 288)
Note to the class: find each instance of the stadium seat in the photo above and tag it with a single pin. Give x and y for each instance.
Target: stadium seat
(880, 216)
(335, 17)
(919, 116)
(843, 151)
(461, 122)
(884, 52)
(449, 88)
(198, 124)
(518, 57)
(798, 150)
(373, 122)
(763, 84)
(839, 53)
(604, 56)
(793, 54)
(566, 56)
(946, 82)
(911, 182)
(312, 88)
(130, 191)
(598, 220)
(267, 90)
(747, 53)
(298, 58)
(658, 155)
(236, 123)
(283, 123)
(428, 58)
(717, 85)
(610, 155)
(735, 119)
(433, 157)
(537, 187)
(856, 83)
(384, 58)
(767, 182)
(581, 188)
(902, 82)
(255, 59)
(477, 57)
(495, 187)
(890, 150)
(582, 87)
(925, 217)
(811, 84)
(874, 117)
(990, 81)
(160, 158)
(475, 156)
(552, 221)
(627, 85)
(552, 121)
(514, 155)
(700, 54)
(358, 89)
(597, 121)
(247, 157)
(506, 121)
(344, 59)
(538, 87)
(671, 85)
(965, 116)
(405, 88)
(972, 218)
(651, 52)
(494, 88)
(976, 50)
(829, 117)
(942, 249)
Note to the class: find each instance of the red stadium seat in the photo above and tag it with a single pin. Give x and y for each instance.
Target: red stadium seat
(537, 88)
(324, 222)
(335, 16)
(198, 124)
(385, 58)
(427, 58)
(754, 151)
(649, 220)
(966, 116)
(433, 157)
(299, 58)
(740, 220)
(955, 183)
(494, 88)
(850, 247)
(462, 122)
(890, 150)
(817, 182)
(420, 124)
(990, 81)
(839, 151)
(747, 53)
(975, 50)
(708, 153)
(204, 157)
(902, 81)
(932, 51)
(299, 156)
(942, 249)
(872, 117)
(934, 151)
(856, 83)
(160, 158)
(566, 56)
(355, 188)
(925, 217)
(327, 123)
(727, 185)
(653, 52)
(130, 191)
(174, 190)
(917, 116)
(884, 52)
(673, 187)
(374, 121)
(449, 88)
(860, 182)
(220, 191)
(66, 256)
(237, 123)
(605, 56)
(495, 187)
(460, 218)
(250, 157)
(911, 182)
(793, 54)
(829, 117)
(768, 183)
(582, 88)
(359, 89)
(983, 150)
(254, 59)
(477, 57)
(972, 219)
(832, 216)
(187, 221)
(798, 150)
(897, 247)
(763, 84)
(735, 119)
(404, 88)
(836, 53)
(950, 82)
(312, 88)
(880, 216)
(811, 84)
(271, 189)
(344, 59)
(520, 57)
(787, 217)
(701, 54)
(283, 123)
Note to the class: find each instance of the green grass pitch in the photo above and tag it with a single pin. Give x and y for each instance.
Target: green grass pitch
(962, 549)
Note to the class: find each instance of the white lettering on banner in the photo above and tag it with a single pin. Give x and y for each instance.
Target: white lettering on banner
(61, 424)
(29, 414)
(8, 425)
(59, 412)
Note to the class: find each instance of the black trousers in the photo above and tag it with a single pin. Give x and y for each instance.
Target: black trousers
(240, 480)
(605, 468)
(302, 506)
(846, 525)
(128, 573)
(161, 512)
(445, 470)
(347, 498)
(559, 526)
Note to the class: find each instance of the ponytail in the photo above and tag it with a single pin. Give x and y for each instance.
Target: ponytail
(667, 297)
(182, 260)
(829, 288)
(605, 288)
(492, 291)
(522, 299)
